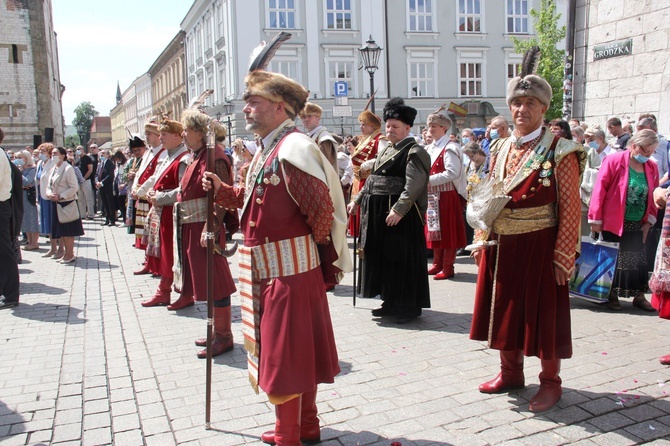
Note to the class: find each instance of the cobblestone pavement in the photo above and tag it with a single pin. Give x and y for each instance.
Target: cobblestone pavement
(81, 362)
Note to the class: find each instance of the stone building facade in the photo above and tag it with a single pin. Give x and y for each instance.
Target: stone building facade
(622, 62)
(30, 87)
(144, 101)
(117, 120)
(434, 51)
(168, 88)
(101, 130)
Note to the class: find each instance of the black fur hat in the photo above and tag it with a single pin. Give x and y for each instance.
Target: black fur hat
(395, 108)
(135, 142)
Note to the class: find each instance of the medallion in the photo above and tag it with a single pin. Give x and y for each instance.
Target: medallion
(274, 179)
(546, 165)
(545, 173)
(535, 165)
(259, 190)
(546, 182)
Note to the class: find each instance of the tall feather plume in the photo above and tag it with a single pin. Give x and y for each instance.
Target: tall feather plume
(261, 55)
(129, 133)
(442, 107)
(531, 59)
(372, 96)
(198, 102)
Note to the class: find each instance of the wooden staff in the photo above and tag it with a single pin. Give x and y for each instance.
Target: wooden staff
(211, 147)
(353, 216)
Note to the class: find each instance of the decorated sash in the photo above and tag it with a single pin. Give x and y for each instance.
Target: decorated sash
(151, 236)
(190, 211)
(265, 262)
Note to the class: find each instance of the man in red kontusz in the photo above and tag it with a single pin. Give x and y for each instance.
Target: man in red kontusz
(293, 220)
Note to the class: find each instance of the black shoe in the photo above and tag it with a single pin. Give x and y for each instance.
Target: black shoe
(407, 314)
(384, 310)
(8, 304)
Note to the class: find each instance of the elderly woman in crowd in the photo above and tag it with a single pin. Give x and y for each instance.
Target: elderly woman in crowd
(467, 135)
(62, 188)
(622, 209)
(30, 224)
(44, 168)
(594, 138)
(577, 134)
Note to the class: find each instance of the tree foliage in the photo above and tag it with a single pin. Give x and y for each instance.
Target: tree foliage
(552, 61)
(72, 141)
(83, 115)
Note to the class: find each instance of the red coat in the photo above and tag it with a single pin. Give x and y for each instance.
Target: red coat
(297, 344)
(452, 224)
(194, 256)
(168, 180)
(146, 174)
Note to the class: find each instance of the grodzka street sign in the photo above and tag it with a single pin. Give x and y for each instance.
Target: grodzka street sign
(613, 49)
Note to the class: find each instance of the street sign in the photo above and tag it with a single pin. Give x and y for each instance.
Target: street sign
(342, 110)
(341, 100)
(341, 88)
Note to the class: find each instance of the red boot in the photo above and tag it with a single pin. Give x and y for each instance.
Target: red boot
(310, 432)
(550, 387)
(162, 296)
(287, 426)
(223, 335)
(449, 256)
(438, 256)
(665, 360)
(510, 376)
(182, 302)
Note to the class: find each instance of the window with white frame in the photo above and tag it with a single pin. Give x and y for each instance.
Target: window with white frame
(201, 84)
(209, 72)
(208, 32)
(513, 70)
(219, 22)
(469, 16)
(191, 51)
(470, 79)
(420, 15)
(338, 14)
(222, 83)
(422, 79)
(198, 42)
(339, 70)
(288, 68)
(281, 14)
(517, 16)
(192, 88)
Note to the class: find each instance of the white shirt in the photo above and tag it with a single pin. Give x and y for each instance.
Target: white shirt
(606, 151)
(346, 168)
(453, 167)
(5, 177)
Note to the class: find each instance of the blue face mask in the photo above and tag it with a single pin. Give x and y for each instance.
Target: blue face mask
(494, 134)
(594, 145)
(43, 157)
(19, 162)
(640, 158)
(465, 140)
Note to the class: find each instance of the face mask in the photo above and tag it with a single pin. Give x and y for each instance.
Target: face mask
(494, 134)
(78, 152)
(640, 158)
(19, 162)
(43, 157)
(465, 140)
(594, 145)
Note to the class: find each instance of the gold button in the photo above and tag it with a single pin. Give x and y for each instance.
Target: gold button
(252, 224)
(532, 189)
(384, 171)
(266, 181)
(259, 201)
(523, 197)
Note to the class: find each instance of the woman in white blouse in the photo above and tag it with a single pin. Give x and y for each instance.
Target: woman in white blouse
(62, 190)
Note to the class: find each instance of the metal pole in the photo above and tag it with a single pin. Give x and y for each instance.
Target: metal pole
(372, 91)
(230, 129)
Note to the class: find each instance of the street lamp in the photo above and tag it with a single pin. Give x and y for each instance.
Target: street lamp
(228, 109)
(370, 54)
(81, 131)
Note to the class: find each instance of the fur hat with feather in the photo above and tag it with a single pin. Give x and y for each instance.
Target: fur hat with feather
(527, 83)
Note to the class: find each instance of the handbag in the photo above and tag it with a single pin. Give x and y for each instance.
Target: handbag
(32, 195)
(594, 270)
(67, 211)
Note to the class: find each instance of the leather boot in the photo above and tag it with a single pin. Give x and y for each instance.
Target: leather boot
(510, 376)
(438, 256)
(182, 302)
(223, 335)
(162, 296)
(550, 387)
(449, 257)
(665, 360)
(287, 426)
(310, 432)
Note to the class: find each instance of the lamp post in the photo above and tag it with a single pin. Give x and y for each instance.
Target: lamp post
(228, 109)
(370, 54)
(81, 131)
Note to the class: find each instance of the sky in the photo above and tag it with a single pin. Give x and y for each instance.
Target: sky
(102, 42)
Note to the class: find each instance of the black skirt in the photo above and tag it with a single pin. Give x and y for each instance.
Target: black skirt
(631, 274)
(58, 229)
